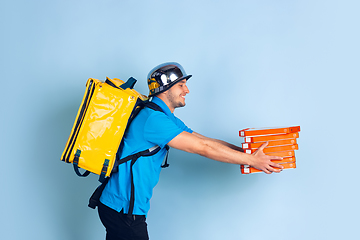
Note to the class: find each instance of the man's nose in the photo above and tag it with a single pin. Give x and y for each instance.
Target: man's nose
(187, 89)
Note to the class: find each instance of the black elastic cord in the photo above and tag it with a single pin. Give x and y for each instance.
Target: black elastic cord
(132, 196)
(165, 165)
(76, 169)
(76, 165)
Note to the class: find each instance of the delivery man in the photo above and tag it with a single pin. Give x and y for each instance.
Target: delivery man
(168, 89)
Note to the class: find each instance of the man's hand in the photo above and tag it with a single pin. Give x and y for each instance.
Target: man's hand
(263, 162)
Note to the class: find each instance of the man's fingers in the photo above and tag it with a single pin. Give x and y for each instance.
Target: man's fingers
(277, 170)
(275, 158)
(277, 165)
(270, 170)
(273, 167)
(267, 171)
(261, 148)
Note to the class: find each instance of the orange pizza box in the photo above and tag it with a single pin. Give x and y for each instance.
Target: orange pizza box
(270, 137)
(285, 160)
(281, 161)
(246, 169)
(274, 149)
(283, 154)
(283, 142)
(267, 131)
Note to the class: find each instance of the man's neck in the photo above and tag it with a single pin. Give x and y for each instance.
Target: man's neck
(165, 100)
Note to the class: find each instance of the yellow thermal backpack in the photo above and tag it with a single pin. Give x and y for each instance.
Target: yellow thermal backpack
(106, 110)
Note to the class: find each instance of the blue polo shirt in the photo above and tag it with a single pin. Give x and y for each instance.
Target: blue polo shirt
(148, 129)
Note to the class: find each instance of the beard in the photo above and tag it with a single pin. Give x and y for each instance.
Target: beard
(175, 100)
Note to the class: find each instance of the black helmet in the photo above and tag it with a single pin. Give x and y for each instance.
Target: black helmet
(164, 76)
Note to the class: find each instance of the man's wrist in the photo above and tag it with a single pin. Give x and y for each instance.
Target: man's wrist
(248, 159)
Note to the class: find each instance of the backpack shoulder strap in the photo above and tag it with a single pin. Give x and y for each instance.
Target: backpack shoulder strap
(153, 106)
(156, 107)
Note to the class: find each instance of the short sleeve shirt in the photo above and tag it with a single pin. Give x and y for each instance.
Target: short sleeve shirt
(148, 129)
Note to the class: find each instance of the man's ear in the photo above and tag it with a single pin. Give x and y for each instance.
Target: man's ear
(162, 95)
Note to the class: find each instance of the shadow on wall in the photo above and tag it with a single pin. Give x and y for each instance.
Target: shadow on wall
(65, 195)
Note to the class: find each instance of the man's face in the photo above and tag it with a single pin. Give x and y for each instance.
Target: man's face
(176, 94)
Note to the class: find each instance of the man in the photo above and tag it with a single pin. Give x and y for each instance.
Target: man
(168, 88)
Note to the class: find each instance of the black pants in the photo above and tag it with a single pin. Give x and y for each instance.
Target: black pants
(120, 226)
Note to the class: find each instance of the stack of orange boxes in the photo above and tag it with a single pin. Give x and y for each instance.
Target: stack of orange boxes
(282, 143)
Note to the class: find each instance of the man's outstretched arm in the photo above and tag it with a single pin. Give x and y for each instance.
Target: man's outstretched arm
(224, 152)
(220, 141)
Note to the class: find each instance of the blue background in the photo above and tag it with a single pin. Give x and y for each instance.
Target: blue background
(254, 64)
